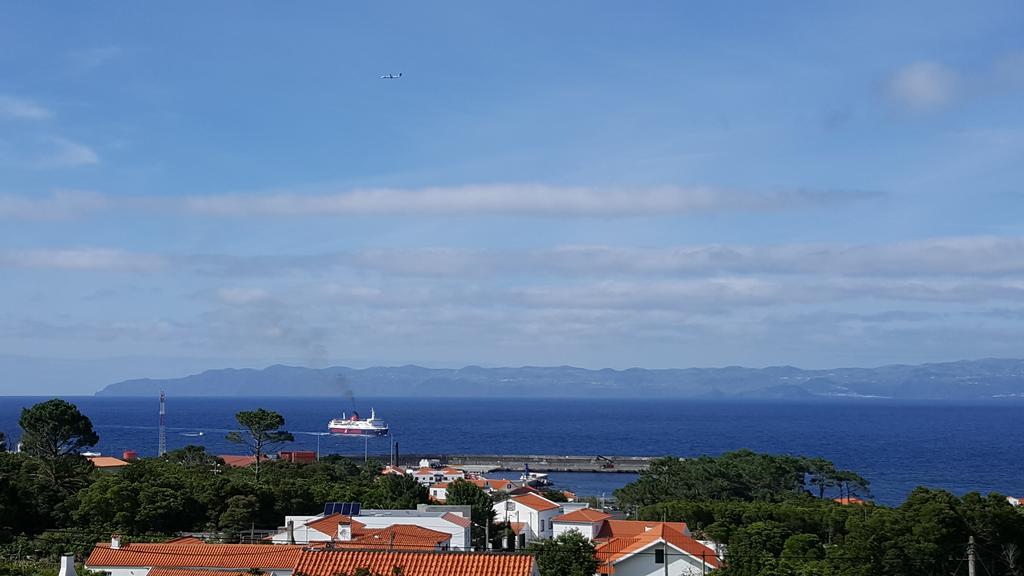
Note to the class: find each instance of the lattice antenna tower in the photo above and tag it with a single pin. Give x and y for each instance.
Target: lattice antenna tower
(163, 425)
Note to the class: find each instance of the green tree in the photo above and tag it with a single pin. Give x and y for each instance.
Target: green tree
(753, 550)
(193, 455)
(240, 514)
(570, 554)
(54, 432)
(463, 493)
(396, 492)
(262, 431)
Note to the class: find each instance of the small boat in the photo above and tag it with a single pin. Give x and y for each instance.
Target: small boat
(534, 479)
(193, 434)
(354, 426)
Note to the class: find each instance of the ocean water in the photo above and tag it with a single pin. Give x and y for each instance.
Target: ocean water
(896, 446)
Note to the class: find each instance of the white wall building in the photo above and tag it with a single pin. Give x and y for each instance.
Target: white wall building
(535, 511)
(586, 521)
(453, 520)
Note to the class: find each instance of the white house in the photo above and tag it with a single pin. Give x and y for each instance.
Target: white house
(535, 511)
(634, 548)
(451, 520)
(455, 524)
(439, 491)
(428, 476)
(587, 521)
(1013, 500)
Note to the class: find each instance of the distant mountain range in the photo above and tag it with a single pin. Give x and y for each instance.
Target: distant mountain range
(989, 379)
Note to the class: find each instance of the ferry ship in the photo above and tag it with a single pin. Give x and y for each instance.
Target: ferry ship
(355, 426)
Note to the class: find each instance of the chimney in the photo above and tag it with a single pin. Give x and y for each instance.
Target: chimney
(67, 565)
(344, 531)
(291, 532)
(115, 541)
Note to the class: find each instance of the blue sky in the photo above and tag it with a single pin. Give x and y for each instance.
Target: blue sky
(657, 184)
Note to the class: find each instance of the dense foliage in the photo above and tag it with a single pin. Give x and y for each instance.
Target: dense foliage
(570, 554)
(777, 516)
(740, 475)
(461, 492)
(53, 500)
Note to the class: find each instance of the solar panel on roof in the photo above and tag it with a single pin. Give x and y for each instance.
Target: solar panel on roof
(343, 508)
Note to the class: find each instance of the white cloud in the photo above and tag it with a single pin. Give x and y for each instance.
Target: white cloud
(972, 257)
(83, 259)
(19, 108)
(513, 200)
(924, 86)
(239, 295)
(57, 205)
(66, 153)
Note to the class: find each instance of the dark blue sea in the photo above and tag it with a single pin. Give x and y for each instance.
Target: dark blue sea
(895, 446)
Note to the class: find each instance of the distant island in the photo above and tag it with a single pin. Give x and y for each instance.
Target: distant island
(988, 379)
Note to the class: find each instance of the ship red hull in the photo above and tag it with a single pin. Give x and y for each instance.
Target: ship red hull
(358, 432)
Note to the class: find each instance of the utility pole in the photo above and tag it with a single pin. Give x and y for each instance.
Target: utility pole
(970, 556)
(163, 426)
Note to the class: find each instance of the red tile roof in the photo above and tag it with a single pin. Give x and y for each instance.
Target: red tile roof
(538, 503)
(456, 519)
(643, 535)
(331, 562)
(329, 525)
(583, 516)
(500, 484)
(240, 461)
(194, 572)
(232, 556)
(625, 528)
(107, 462)
(847, 500)
(400, 537)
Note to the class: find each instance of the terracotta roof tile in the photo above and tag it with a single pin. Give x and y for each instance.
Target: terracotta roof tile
(193, 572)
(329, 524)
(458, 520)
(583, 516)
(614, 549)
(240, 461)
(538, 503)
(330, 562)
(233, 556)
(107, 462)
(625, 528)
(400, 537)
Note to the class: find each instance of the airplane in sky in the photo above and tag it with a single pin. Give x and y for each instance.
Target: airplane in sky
(392, 76)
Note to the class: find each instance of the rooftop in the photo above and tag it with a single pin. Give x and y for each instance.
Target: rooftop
(331, 562)
(107, 462)
(190, 555)
(535, 502)
(641, 536)
(583, 516)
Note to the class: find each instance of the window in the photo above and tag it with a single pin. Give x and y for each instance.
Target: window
(510, 505)
(659, 556)
(541, 525)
